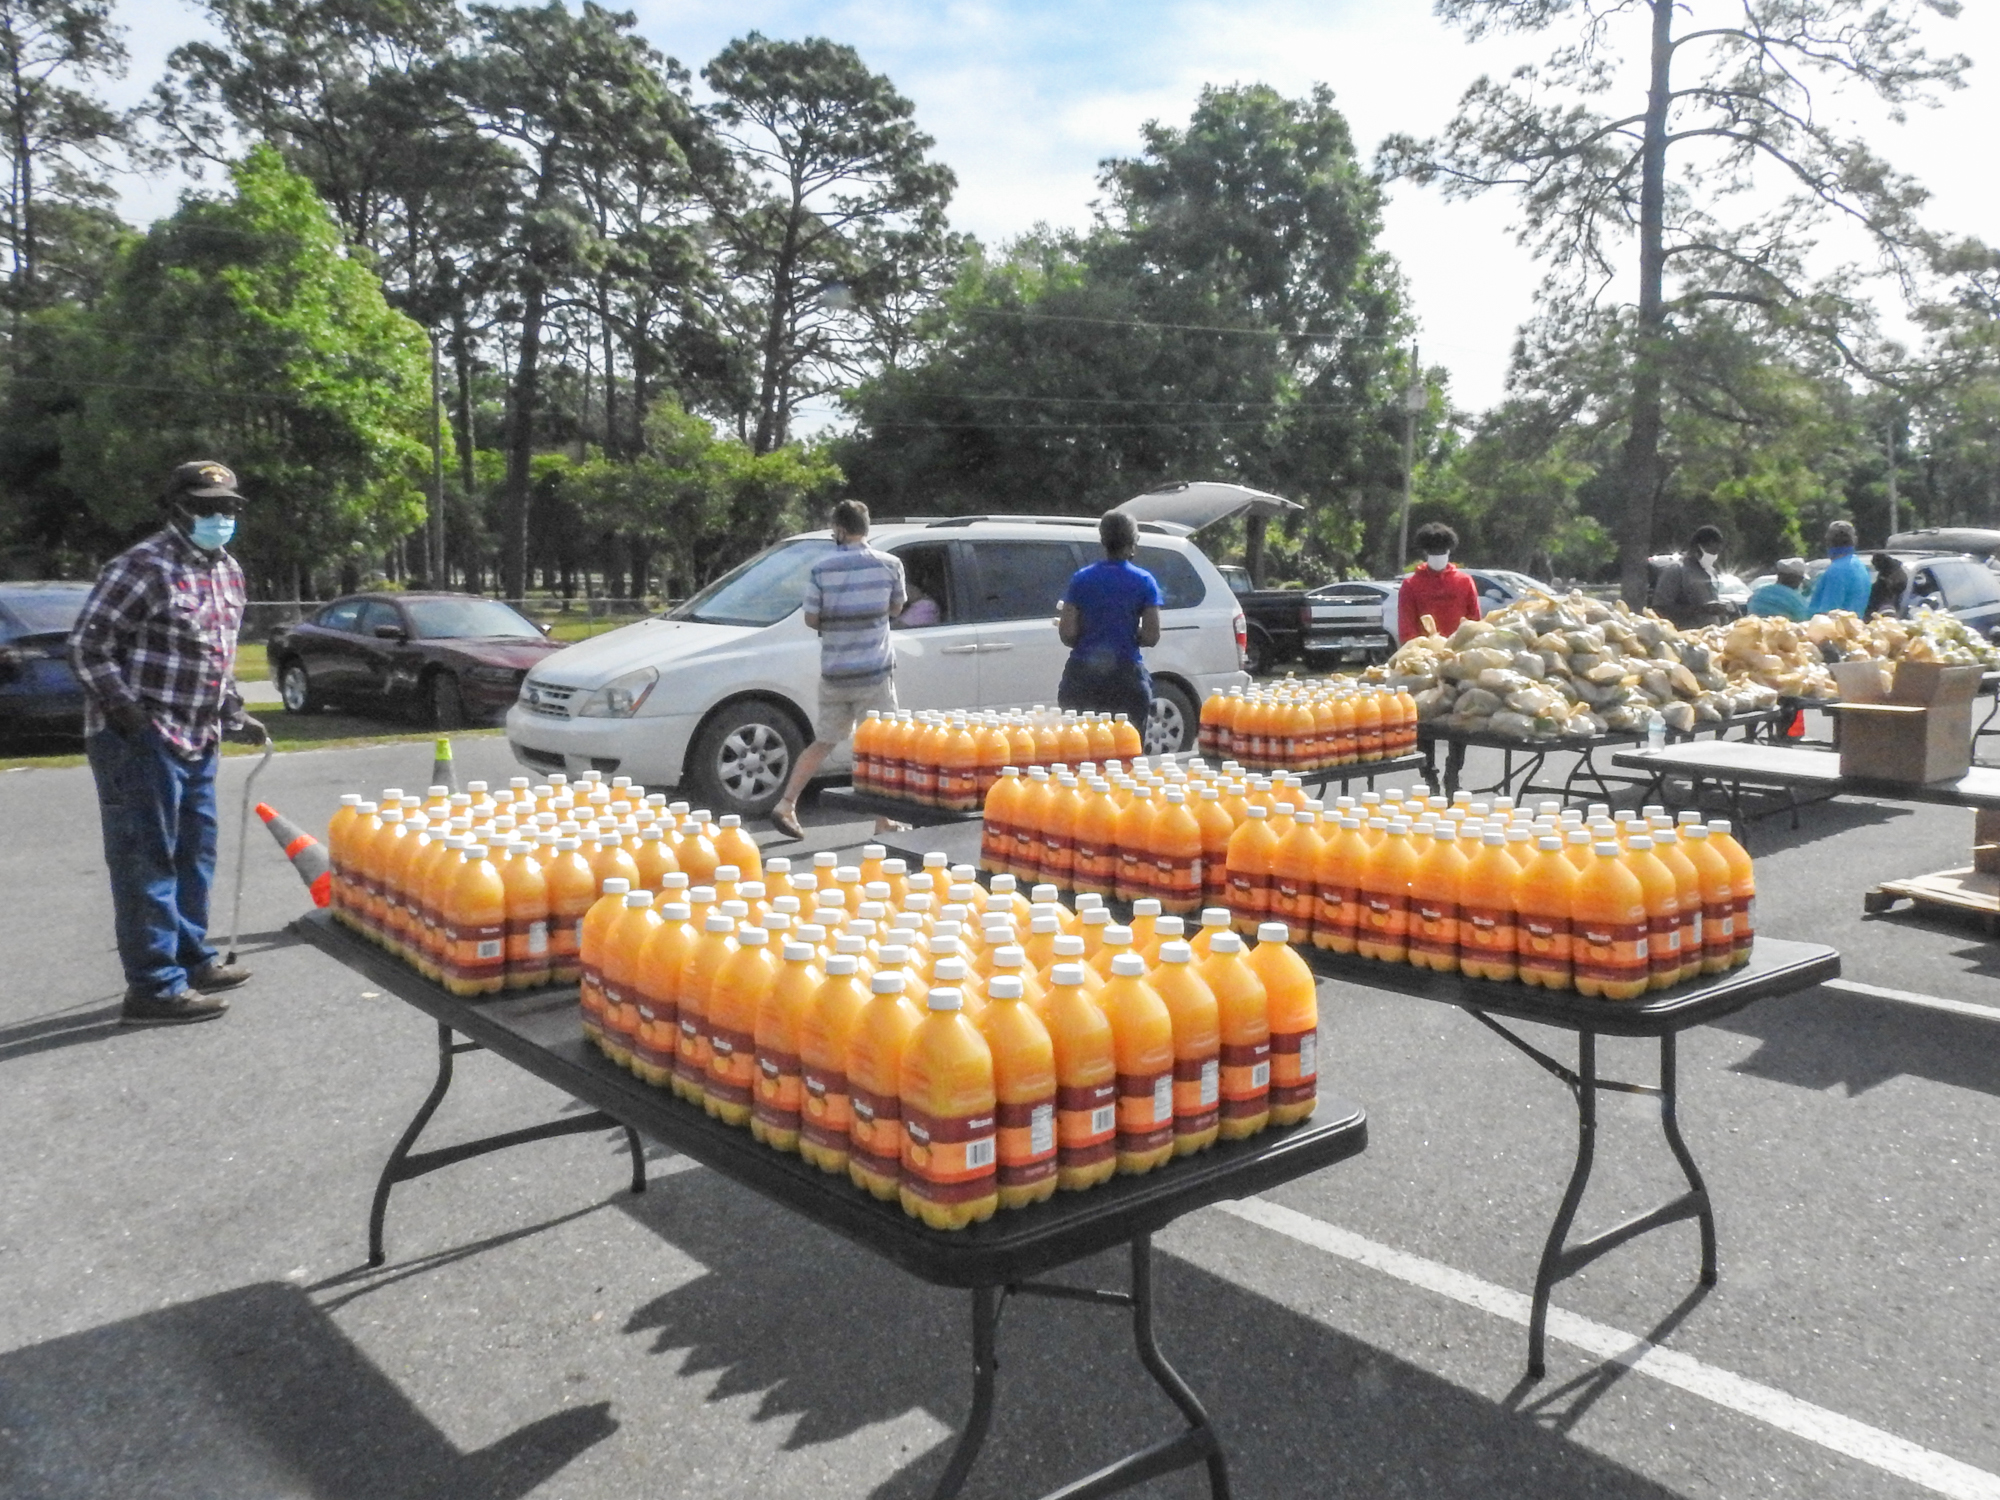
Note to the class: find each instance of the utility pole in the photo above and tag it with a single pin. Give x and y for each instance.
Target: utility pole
(1891, 449)
(440, 570)
(1415, 399)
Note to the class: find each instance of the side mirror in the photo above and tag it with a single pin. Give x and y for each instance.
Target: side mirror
(391, 633)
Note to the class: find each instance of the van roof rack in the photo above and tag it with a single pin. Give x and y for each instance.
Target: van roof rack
(1158, 528)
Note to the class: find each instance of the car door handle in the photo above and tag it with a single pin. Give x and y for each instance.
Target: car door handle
(995, 646)
(958, 651)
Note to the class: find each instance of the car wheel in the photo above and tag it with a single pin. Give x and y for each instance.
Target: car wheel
(296, 689)
(1175, 720)
(446, 702)
(743, 755)
(1258, 654)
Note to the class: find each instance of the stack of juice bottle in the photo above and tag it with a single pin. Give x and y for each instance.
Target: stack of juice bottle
(957, 1050)
(1308, 726)
(485, 891)
(952, 760)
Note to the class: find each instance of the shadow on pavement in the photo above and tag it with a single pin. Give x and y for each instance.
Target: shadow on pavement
(91, 1022)
(1822, 1037)
(243, 1395)
(837, 1341)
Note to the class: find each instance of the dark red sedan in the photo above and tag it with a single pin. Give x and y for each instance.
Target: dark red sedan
(451, 658)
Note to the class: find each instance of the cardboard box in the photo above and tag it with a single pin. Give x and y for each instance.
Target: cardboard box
(1918, 730)
(1986, 841)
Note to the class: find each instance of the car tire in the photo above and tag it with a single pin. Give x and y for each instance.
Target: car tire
(1175, 723)
(1259, 655)
(446, 702)
(742, 756)
(296, 689)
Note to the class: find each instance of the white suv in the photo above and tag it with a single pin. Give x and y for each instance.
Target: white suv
(718, 695)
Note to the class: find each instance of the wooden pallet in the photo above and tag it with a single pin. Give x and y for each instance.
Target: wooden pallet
(1953, 890)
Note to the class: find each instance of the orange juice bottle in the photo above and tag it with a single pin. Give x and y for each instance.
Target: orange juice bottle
(1142, 1034)
(706, 956)
(1244, 1018)
(1743, 885)
(1177, 854)
(1368, 727)
(958, 767)
(1668, 850)
(624, 944)
(378, 837)
(1033, 812)
(654, 858)
(920, 776)
(1216, 827)
(1056, 858)
(1197, 1025)
(950, 1158)
(1437, 886)
(695, 853)
(1301, 736)
(1718, 899)
(1024, 1085)
(1337, 887)
(1251, 850)
(1663, 911)
(1094, 843)
(1214, 710)
(439, 852)
(1040, 946)
(1127, 744)
(572, 890)
(1346, 745)
(609, 859)
(338, 832)
(1086, 1081)
(1487, 932)
(1291, 1000)
(1011, 960)
(655, 984)
(1384, 929)
(597, 919)
(1113, 939)
(1294, 866)
(1544, 901)
(476, 926)
(527, 918)
(734, 846)
(995, 751)
(874, 1082)
(1075, 738)
(825, 1029)
(998, 823)
(1609, 922)
(1135, 847)
(1214, 919)
(750, 974)
(867, 734)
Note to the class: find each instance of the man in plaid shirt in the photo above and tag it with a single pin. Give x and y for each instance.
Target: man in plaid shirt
(155, 649)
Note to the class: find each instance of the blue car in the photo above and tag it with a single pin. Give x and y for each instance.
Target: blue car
(39, 694)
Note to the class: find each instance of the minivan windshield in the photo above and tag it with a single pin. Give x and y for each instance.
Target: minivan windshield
(760, 592)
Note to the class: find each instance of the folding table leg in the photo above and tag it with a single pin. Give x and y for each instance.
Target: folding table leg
(985, 1324)
(1670, 1123)
(1549, 1271)
(392, 1169)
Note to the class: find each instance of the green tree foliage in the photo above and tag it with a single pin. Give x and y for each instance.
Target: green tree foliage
(242, 331)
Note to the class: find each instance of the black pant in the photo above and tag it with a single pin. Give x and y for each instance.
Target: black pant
(1107, 685)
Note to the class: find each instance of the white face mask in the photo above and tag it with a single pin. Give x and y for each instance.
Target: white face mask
(1438, 561)
(1709, 560)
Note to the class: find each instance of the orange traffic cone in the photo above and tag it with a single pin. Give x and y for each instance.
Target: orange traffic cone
(307, 854)
(1797, 730)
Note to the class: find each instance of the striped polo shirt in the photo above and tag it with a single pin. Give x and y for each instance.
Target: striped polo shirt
(853, 590)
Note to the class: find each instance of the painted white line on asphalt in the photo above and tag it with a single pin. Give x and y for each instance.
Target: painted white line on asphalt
(1911, 997)
(1869, 1445)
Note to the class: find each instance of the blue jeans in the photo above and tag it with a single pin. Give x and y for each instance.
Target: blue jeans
(158, 812)
(1107, 685)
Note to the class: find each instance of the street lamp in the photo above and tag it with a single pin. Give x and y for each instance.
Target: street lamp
(1415, 398)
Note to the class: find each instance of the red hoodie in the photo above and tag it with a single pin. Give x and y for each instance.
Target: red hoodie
(1448, 597)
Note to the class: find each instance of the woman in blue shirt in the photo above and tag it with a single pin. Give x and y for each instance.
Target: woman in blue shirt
(1846, 581)
(1110, 610)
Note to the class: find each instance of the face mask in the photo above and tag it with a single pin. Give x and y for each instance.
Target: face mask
(1708, 560)
(212, 533)
(1438, 561)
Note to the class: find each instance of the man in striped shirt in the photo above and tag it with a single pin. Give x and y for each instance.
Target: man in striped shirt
(851, 596)
(155, 649)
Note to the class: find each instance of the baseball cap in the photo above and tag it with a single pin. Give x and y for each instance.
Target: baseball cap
(204, 479)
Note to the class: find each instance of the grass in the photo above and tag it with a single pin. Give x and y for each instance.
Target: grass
(288, 732)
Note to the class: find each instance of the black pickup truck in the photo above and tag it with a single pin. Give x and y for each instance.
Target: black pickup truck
(1338, 621)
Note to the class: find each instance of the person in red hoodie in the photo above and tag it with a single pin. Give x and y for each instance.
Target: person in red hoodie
(1437, 589)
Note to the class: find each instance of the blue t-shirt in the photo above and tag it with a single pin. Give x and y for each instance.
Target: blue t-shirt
(1844, 585)
(1108, 597)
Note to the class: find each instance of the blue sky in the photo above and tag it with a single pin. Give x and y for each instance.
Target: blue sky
(1026, 96)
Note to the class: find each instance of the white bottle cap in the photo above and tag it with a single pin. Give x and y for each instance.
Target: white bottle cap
(1069, 945)
(1071, 974)
(615, 885)
(719, 921)
(1128, 966)
(894, 956)
(841, 964)
(887, 982)
(1273, 932)
(1116, 937)
(851, 944)
(945, 997)
(1045, 924)
(873, 851)
(1041, 894)
(1097, 916)
(951, 970)
(673, 880)
(1009, 957)
(638, 898)
(1173, 953)
(1145, 906)
(728, 872)
(1225, 942)
(728, 820)
(1004, 987)
(676, 911)
(798, 953)
(752, 936)
(1169, 927)
(1215, 916)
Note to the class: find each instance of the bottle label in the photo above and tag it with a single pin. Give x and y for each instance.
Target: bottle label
(1294, 1066)
(825, 1117)
(1246, 1079)
(1086, 1123)
(778, 1091)
(875, 1139)
(1145, 1111)
(538, 937)
(1612, 952)
(1026, 1142)
(1197, 1094)
(949, 1159)
(732, 1065)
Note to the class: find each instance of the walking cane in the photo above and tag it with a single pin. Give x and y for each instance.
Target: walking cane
(243, 849)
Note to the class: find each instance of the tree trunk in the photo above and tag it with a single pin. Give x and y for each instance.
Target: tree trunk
(461, 358)
(1641, 478)
(771, 380)
(521, 443)
(1253, 550)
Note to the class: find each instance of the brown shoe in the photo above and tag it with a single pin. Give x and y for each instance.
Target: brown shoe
(171, 1010)
(215, 976)
(787, 823)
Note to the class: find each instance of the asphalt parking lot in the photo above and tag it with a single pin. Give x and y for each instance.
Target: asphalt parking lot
(185, 1308)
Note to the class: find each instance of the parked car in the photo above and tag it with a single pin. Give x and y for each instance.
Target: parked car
(453, 659)
(717, 695)
(1347, 621)
(39, 694)
(1981, 542)
(1957, 582)
(1496, 586)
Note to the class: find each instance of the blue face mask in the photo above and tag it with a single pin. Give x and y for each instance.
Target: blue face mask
(212, 533)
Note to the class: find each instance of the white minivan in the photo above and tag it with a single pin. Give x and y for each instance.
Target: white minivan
(717, 696)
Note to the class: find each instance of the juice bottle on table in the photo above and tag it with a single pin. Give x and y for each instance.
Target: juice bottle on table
(1609, 922)
(1142, 1034)
(1094, 841)
(1243, 1014)
(572, 891)
(1337, 887)
(695, 853)
(654, 858)
(1251, 849)
(625, 939)
(1663, 911)
(1718, 899)
(1743, 884)
(440, 852)
(1214, 709)
(476, 914)
(1135, 878)
(958, 767)
(734, 846)
(1056, 858)
(1294, 867)
(609, 859)
(1437, 886)
(825, 1029)
(1291, 1004)
(705, 957)
(1197, 1027)
(655, 985)
(1010, 959)
(1216, 827)
(378, 837)
(1070, 950)
(1383, 932)
(1667, 849)
(338, 830)
(995, 751)
(727, 880)
(998, 823)
(1076, 739)
(745, 978)
(1086, 1082)
(1544, 903)
(1024, 1084)
(1126, 741)
(950, 1153)
(1145, 921)
(1032, 810)
(527, 918)
(1214, 919)
(1177, 854)
(874, 1082)
(597, 920)
(1487, 931)
(1040, 946)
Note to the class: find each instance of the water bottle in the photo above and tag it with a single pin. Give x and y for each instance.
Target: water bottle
(1656, 730)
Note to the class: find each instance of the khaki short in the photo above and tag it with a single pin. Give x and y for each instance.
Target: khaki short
(842, 705)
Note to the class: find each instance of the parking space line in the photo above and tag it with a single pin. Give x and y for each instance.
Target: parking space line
(1934, 1471)
(1912, 997)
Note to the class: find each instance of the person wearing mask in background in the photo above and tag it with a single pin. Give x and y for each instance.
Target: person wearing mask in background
(1109, 612)
(155, 650)
(1438, 588)
(1685, 595)
(1846, 582)
(852, 594)
(1784, 598)
(1890, 591)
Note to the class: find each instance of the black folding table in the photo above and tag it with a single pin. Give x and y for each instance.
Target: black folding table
(1518, 780)
(1775, 968)
(540, 1032)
